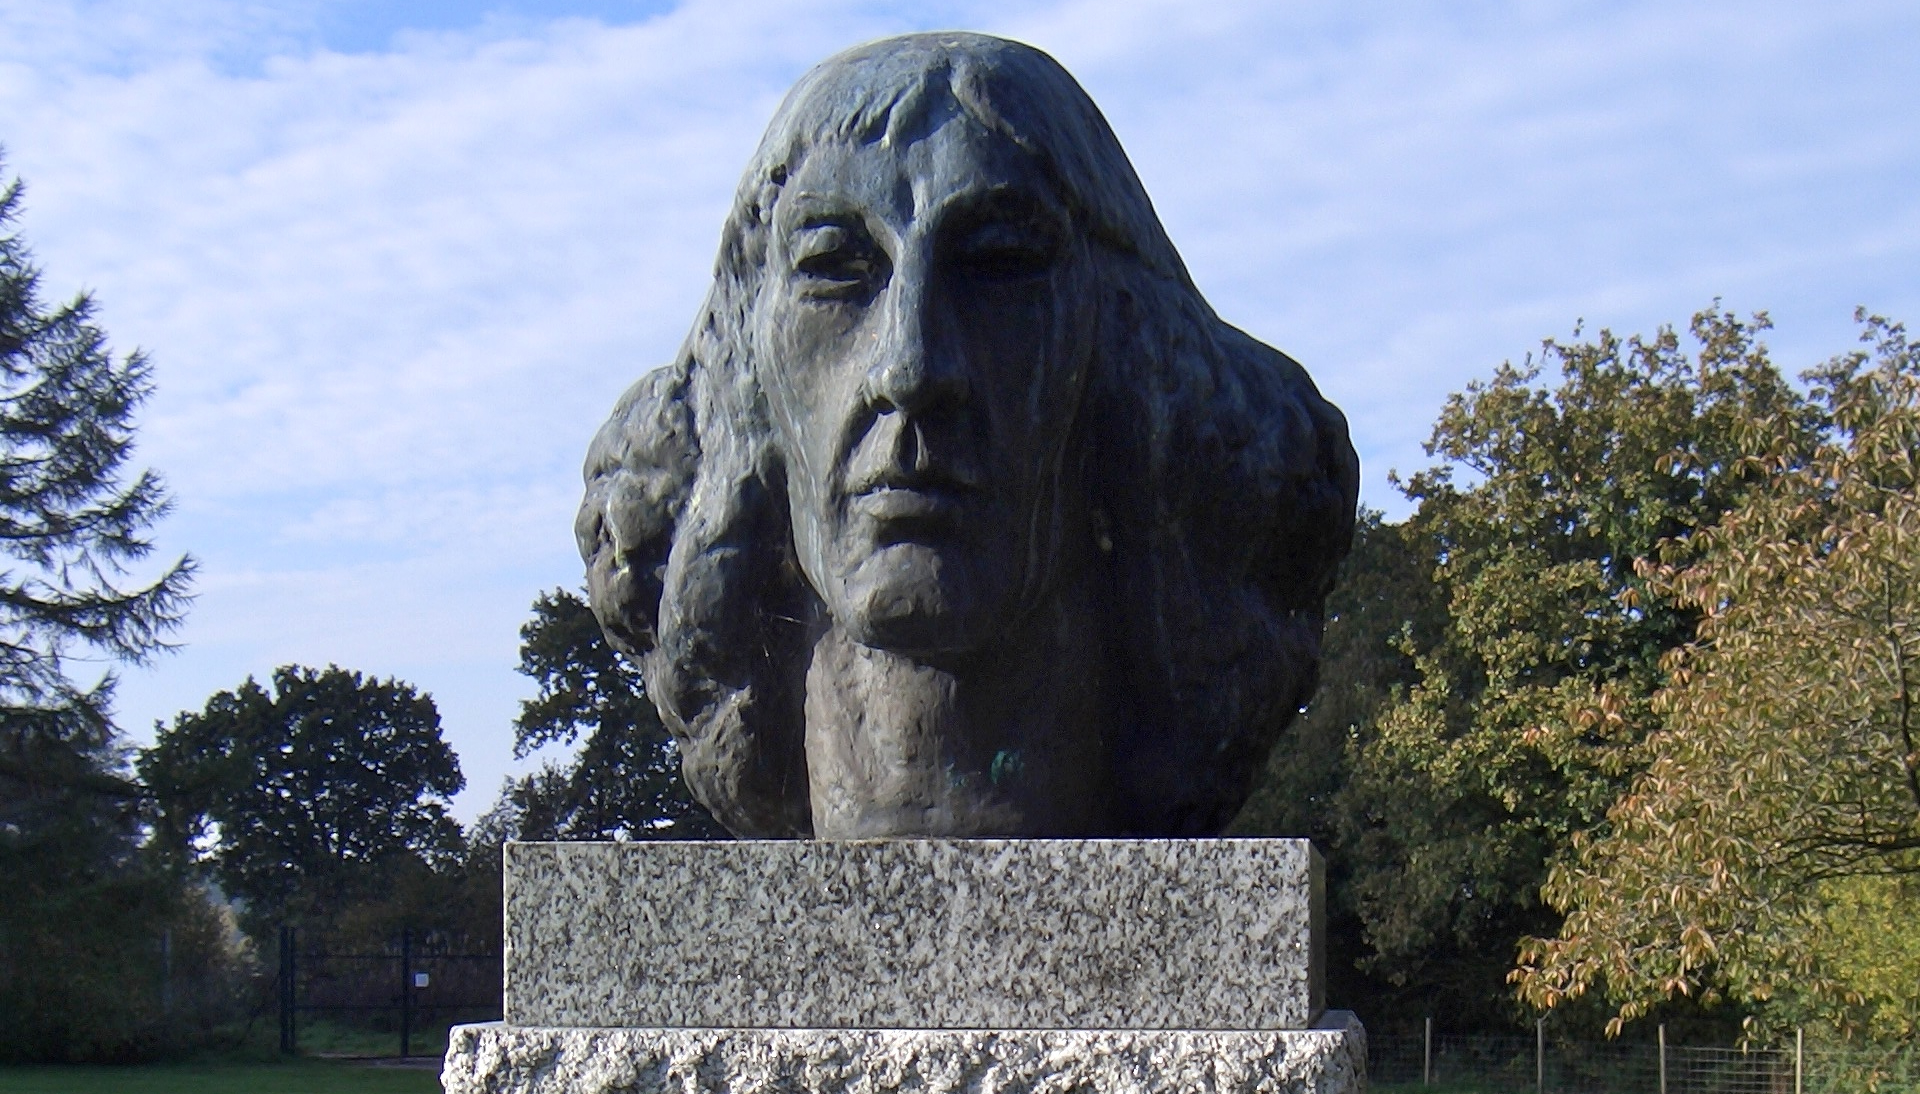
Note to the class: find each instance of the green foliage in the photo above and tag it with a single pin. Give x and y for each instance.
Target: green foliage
(307, 799)
(451, 902)
(1784, 782)
(625, 783)
(1868, 943)
(79, 955)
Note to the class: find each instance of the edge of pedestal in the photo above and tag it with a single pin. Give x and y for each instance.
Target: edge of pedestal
(495, 1058)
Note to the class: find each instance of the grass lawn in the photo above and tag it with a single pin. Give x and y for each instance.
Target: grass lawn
(290, 1077)
(310, 1077)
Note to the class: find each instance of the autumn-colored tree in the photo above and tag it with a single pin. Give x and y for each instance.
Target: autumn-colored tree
(1783, 783)
(1512, 605)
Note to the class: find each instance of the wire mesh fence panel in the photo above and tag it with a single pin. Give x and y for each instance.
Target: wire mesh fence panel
(1512, 1065)
(1602, 1067)
(1884, 1070)
(1491, 1063)
(1392, 1059)
(1729, 1071)
(1523, 1064)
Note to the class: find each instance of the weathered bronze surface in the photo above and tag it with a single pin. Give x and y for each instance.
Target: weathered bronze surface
(960, 512)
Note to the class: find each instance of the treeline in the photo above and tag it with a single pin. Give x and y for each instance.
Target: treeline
(1620, 721)
(146, 888)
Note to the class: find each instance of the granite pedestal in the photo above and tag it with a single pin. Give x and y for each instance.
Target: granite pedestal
(912, 965)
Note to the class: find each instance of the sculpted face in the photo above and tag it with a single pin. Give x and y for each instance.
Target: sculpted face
(923, 332)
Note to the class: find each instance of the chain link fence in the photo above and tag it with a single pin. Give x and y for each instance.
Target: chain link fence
(1544, 1065)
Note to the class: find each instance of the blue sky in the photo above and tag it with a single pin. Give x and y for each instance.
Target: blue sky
(393, 262)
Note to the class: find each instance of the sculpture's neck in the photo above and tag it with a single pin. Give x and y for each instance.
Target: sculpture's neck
(1008, 744)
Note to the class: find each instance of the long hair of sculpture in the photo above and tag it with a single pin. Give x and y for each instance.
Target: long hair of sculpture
(959, 512)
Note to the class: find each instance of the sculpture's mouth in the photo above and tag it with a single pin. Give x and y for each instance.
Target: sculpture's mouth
(895, 503)
(929, 499)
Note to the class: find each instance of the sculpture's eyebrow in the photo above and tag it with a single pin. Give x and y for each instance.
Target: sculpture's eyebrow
(1007, 202)
(1004, 199)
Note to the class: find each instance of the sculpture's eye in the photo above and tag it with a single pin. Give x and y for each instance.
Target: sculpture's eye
(837, 261)
(1006, 251)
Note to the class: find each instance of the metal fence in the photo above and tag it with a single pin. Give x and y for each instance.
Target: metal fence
(1545, 1065)
(417, 984)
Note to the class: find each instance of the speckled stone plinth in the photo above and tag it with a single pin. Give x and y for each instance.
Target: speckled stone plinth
(926, 966)
(915, 934)
(500, 1059)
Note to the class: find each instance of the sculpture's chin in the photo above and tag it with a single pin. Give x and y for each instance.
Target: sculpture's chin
(911, 598)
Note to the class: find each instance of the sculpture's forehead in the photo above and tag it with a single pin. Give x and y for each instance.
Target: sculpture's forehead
(904, 182)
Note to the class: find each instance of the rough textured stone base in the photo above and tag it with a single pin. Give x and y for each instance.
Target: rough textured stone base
(502, 1059)
(915, 934)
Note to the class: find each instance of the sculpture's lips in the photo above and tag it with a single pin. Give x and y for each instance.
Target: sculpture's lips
(928, 496)
(909, 503)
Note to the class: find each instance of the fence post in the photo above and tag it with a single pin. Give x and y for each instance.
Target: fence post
(1540, 1056)
(1663, 1058)
(287, 939)
(406, 991)
(1426, 1057)
(280, 987)
(166, 972)
(1799, 1055)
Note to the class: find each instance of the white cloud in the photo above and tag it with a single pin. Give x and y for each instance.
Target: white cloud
(391, 293)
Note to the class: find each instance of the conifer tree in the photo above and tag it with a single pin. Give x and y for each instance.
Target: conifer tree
(73, 525)
(625, 782)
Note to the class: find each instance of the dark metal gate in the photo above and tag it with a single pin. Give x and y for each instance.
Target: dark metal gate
(417, 984)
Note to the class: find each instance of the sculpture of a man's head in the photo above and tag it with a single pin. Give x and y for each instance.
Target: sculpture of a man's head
(960, 512)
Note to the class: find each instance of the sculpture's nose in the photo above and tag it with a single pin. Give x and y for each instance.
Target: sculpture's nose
(916, 366)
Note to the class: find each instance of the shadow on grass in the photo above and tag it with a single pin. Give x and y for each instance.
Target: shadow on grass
(295, 1076)
(252, 1064)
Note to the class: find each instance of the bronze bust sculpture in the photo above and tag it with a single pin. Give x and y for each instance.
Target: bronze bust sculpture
(960, 512)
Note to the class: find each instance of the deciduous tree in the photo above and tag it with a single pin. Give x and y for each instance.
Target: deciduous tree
(1512, 605)
(1784, 779)
(300, 797)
